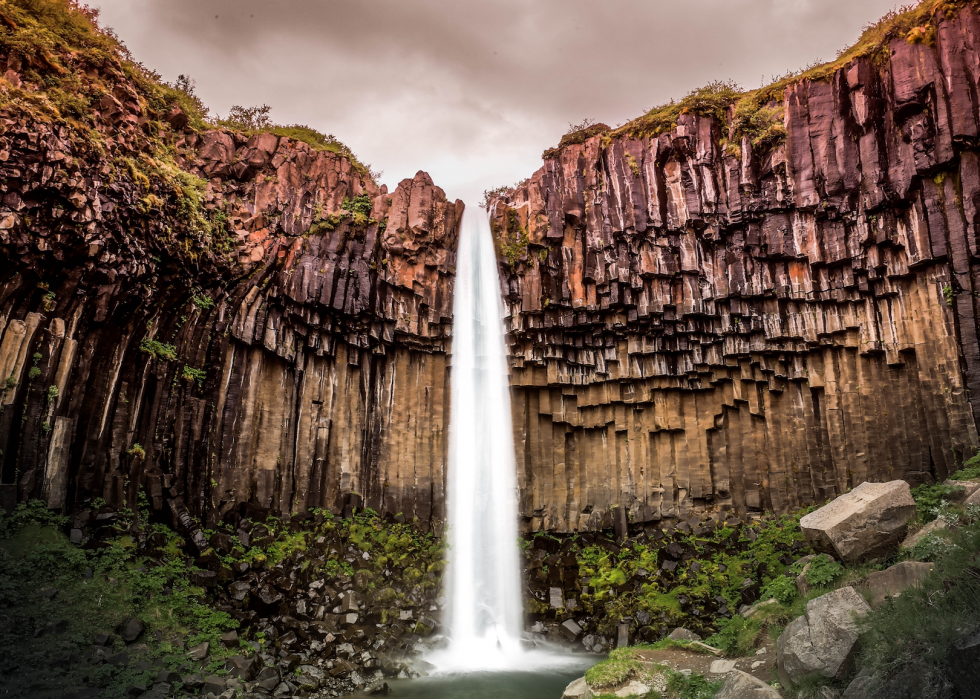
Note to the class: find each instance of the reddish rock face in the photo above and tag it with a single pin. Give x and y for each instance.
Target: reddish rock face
(692, 328)
(292, 355)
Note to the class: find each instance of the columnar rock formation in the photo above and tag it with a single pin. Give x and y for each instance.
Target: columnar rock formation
(699, 321)
(252, 320)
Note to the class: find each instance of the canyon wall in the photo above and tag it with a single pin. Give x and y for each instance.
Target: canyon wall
(216, 317)
(699, 322)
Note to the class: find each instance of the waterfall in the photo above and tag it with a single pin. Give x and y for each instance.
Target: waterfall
(484, 580)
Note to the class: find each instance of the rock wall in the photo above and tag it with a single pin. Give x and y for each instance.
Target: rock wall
(697, 326)
(291, 355)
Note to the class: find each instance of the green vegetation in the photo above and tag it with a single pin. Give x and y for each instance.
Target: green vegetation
(52, 394)
(914, 630)
(251, 120)
(758, 114)
(970, 470)
(95, 591)
(202, 301)
(513, 241)
(929, 500)
(719, 569)
(357, 211)
(822, 570)
(158, 350)
(625, 664)
(189, 373)
(137, 451)
(621, 666)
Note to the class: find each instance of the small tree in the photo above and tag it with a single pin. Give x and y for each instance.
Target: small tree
(249, 118)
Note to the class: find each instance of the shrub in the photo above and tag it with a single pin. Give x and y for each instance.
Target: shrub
(970, 470)
(158, 350)
(930, 499)
(781, 588)
(823, 570)
(914, 630)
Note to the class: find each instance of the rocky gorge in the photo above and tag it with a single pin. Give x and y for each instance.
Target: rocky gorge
(225, 355)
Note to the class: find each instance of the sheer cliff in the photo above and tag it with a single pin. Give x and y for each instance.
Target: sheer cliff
(209, 316)
(754, 300)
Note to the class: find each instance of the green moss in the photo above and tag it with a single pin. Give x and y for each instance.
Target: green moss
(189, 373)
(158, 350)
(514, 239)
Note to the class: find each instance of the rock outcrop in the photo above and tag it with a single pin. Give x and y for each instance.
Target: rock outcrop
(212, 316)
(702, 318)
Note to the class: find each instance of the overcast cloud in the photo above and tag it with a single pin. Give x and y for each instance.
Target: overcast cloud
(472, 91)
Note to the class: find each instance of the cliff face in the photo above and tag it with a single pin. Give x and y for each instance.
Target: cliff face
(219, 318)
(700, 321)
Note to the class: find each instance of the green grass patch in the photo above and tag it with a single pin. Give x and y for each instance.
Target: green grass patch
(621, 666)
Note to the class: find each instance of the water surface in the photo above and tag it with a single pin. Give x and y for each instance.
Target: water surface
(540, 684)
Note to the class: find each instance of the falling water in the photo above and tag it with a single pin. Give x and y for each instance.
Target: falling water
(484, 583)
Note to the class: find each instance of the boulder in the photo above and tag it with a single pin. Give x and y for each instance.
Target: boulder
(860, 686)
(822, 641)
(131, 629)
(199, 652)
(722, 667)
(968, 494)
(741, 685)
(974, 498)
(933, 526)
(963, 664)
(865, 523)
(577, 689)
(634, 688)
(682, 634)
(570, 630)
(895, 580)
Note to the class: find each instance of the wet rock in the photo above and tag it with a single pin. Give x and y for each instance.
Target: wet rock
(867, 522)
(376, 687)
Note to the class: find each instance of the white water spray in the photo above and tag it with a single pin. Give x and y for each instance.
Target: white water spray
(483, 575)
(484, 580)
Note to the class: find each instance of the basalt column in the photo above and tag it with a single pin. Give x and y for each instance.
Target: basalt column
(299, 362)
(697, 322)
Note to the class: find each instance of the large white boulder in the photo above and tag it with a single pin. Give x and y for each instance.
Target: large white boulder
(821, 641)
(867, 522)
(741, 685)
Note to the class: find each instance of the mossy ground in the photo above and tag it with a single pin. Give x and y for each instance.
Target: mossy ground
(143, 570)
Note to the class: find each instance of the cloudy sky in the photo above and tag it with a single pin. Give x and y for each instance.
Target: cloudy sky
(473, 90)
